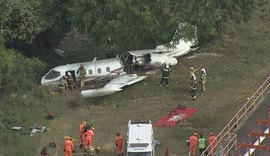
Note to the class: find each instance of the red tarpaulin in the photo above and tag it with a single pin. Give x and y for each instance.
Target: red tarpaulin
(176, 115)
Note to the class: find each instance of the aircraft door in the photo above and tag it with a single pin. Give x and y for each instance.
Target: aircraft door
(72, 72)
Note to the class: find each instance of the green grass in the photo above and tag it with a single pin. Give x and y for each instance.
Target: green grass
(233, 76)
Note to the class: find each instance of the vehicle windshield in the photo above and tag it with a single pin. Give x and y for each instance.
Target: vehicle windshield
(140, 154)
(52, 75)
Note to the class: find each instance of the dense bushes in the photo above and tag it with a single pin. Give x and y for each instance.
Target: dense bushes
(17, 72)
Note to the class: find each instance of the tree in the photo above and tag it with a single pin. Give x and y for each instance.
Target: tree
(130, 24)
(144, 24)
(209, 15)
(21, 20)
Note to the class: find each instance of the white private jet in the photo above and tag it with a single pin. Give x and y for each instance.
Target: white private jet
(96, 70)
(166, 53)
(113, 68)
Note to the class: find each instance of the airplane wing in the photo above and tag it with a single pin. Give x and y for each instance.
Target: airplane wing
(113, 86)
(138, 53)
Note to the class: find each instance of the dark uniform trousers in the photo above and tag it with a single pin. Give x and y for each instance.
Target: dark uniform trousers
(165, 76)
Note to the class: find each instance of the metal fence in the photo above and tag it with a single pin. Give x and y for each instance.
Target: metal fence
(226, 139)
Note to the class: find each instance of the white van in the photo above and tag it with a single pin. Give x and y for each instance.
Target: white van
(140, 139)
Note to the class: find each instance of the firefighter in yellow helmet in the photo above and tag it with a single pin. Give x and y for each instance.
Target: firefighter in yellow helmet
(192, 71)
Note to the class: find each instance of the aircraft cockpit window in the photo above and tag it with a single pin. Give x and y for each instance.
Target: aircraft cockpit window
(99, 70)
(90, 72)
(52, 74)
(108, 69)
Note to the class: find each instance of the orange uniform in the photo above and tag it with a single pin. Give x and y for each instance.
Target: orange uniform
(88, 138)
(213, 143)
(193, 141)
(119, 143)
(68, 147)
(81, 127)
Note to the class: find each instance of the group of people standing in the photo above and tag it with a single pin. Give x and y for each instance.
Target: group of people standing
(193, 142)
(193, 79)
(67, 82)
(86, 134)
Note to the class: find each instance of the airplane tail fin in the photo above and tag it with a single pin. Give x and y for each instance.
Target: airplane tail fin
(179, 45)
(188, 31)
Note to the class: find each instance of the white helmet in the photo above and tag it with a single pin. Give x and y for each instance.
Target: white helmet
(203, 70)
(193, 77)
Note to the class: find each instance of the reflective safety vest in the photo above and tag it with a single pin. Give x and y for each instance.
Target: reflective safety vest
(203, 78)
(166, 73)
(193, 86)
(202, 143)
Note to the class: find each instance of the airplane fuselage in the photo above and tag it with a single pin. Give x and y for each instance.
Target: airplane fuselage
(95, 70)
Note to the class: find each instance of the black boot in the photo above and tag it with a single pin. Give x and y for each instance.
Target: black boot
(81, 145)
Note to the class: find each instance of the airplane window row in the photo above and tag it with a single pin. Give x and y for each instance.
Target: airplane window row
(99, 70)
(54, 74)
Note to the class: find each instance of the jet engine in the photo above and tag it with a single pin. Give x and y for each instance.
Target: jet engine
(159, 59)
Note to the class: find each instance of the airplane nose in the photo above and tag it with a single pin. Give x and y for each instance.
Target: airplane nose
(42, 81)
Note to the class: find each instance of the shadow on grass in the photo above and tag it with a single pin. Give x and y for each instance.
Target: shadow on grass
(74, 104)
